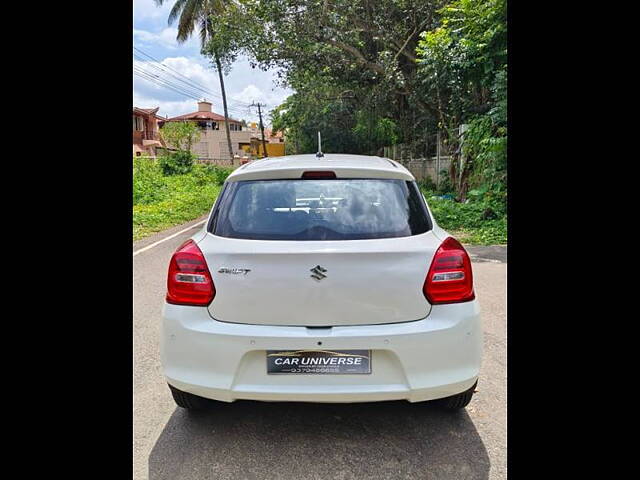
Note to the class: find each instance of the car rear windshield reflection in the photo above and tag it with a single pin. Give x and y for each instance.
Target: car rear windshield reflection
(341, 209)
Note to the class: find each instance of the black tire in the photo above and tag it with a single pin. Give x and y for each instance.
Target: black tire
(457, 402)
(188, 400)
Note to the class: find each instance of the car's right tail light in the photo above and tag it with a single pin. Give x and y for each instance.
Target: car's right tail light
(189, 281)
(450, 279)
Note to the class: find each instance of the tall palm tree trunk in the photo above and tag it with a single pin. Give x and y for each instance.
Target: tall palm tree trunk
(224, 103)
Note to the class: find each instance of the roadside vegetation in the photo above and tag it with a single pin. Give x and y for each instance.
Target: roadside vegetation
(481, 219)
(172, 189)
(394, 73)
(480, 222)
(161, 201)
(371, 76)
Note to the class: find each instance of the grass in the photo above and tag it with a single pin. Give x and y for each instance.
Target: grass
(481, 222)
(161, 202)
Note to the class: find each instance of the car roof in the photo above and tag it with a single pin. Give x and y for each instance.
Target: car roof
(344, 166)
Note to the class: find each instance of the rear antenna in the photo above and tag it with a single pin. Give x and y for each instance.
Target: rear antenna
(319, 154)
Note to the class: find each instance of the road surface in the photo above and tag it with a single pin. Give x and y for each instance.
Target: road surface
(254, 440)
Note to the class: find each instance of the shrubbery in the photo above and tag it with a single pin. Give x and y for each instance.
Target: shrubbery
(148, 183)
(162, 201)
(482, 220)
(445, 187)
(176, 163)
(205, 173)
(221, 174)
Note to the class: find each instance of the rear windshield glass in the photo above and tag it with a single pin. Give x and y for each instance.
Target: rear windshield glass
(340, 209)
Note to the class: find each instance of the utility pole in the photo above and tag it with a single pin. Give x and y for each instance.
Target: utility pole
(264, 144)
(462, 129)
(438, 160)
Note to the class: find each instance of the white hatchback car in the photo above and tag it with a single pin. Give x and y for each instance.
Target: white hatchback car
(321, 280)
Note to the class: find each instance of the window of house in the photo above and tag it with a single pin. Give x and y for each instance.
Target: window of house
(138, 123)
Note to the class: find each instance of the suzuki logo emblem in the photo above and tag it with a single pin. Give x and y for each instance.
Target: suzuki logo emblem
(318, 272)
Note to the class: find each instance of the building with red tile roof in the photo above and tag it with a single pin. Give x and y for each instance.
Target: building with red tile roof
(145, 132)
(213, 139)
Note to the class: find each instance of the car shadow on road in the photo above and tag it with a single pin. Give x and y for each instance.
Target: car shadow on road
(263, 440)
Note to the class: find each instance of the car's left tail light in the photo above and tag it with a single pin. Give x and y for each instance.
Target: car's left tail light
(189, 281)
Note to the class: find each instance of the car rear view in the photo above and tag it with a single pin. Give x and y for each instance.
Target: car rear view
(324, 280)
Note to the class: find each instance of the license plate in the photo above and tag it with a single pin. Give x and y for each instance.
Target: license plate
(331, 362)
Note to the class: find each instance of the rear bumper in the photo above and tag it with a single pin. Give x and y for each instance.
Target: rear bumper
(422, 360)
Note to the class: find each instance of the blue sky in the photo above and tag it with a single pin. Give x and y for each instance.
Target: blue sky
(152, 35)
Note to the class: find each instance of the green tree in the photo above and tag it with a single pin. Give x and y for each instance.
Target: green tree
(370, 74)
(463, 65)
(181, 135)
(316, 106)
(199, 13)
(360, 51)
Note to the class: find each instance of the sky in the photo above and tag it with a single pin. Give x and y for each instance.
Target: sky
(182, 65)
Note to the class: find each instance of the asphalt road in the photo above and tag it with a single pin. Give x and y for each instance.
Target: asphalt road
(255, 440)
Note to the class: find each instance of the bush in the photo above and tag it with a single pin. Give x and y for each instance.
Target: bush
(204, 174)
(446, 187)
(221, 174)
(176, 163)
(480, 221)
(184, 201)
(427, 184)
(148, 184)
(164, 201)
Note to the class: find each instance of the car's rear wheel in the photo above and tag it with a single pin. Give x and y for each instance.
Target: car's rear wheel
(188, 400)
(458, 401)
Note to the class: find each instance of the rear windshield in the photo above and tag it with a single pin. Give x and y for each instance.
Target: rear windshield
(335, 209)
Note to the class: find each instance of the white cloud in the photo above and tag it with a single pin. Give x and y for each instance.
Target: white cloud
(243, 84)
(147, 9)
(196, 70)
(243, 87)
(200, 82)
(170, 108)
(165, 38)
(249, 94)
(252, 93)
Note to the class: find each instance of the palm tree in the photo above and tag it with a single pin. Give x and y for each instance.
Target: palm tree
(196, 12)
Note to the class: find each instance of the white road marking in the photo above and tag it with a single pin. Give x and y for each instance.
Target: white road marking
(488, 260)
(148, 247)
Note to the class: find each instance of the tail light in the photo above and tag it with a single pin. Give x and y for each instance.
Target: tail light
(450, 279)
(189, 281)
